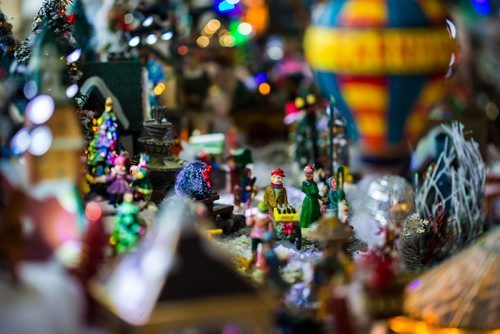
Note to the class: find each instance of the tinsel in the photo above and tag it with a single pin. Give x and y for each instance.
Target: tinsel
(425, 242)
(7, 42)
(457, 182)
(413, 224)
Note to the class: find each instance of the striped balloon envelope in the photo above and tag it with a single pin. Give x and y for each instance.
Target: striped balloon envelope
(384, 63)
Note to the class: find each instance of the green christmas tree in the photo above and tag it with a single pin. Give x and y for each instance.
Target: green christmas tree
(103, 147)
(83, 32)
(127, 229)
(8, 44)
(52, 16)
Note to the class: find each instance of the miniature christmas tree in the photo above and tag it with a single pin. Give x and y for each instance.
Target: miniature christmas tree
(103, 148)
(52, 16)
(83, 31)
(7, 44)
(307, 136)
(127, 228)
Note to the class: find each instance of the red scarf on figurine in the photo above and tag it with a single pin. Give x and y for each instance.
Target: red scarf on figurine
(277, 186)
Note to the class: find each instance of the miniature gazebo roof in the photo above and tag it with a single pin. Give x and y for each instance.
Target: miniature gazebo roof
(463, 291)
(176, 278)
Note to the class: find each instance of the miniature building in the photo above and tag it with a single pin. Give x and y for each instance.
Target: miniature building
(459, 292)
(62, 160)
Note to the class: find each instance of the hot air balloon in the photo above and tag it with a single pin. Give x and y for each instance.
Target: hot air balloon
(384, 63)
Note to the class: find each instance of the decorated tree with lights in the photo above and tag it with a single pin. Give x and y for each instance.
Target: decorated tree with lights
(7, 44)
(128, 228)
(103, 147)
(52, 16)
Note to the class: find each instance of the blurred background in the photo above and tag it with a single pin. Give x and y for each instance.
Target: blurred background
(235, 64)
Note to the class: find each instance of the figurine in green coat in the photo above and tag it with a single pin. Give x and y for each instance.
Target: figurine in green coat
(310, 206)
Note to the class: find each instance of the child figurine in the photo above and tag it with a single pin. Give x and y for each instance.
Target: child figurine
(247, 188)
(127, 228)
(310, 206)
(119, 179)
(261, 223)
(272, 264)
(275, 193)
(141, 183)
(234, 174)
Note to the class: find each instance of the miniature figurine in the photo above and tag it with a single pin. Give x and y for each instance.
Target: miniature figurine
(234, 174)
(310, 206)
(335, 203)
(119, 179)
(127, 229)
(248, 189)
(208, 159)
(261, 223)
(141, 183)
(334, 270)
(275, 193)
(272, 263)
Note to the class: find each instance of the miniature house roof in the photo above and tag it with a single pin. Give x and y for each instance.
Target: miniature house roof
(175, 278)
(125, 80)
(463, 291)
(96, 91)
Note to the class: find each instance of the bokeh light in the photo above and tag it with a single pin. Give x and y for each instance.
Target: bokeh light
(20, 142)
(183, 50)
(159, 89)
(134, 41)
(30, 89)
(212, 26)
(245, 28)
(93, 211)
(74, 56)
(148, 21)
(202, 41)
(128, 18)
(264, 88)
(167, 35)
(72, 90)
(40, 109)
(151, 39)
(41, 140)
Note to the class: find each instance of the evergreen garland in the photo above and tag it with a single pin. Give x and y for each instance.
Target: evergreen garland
(83, 32)
(52, 16)
(8, 44)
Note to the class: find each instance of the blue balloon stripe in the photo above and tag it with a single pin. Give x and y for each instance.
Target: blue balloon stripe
(407, 13)
(331, 11)
(403, 93)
